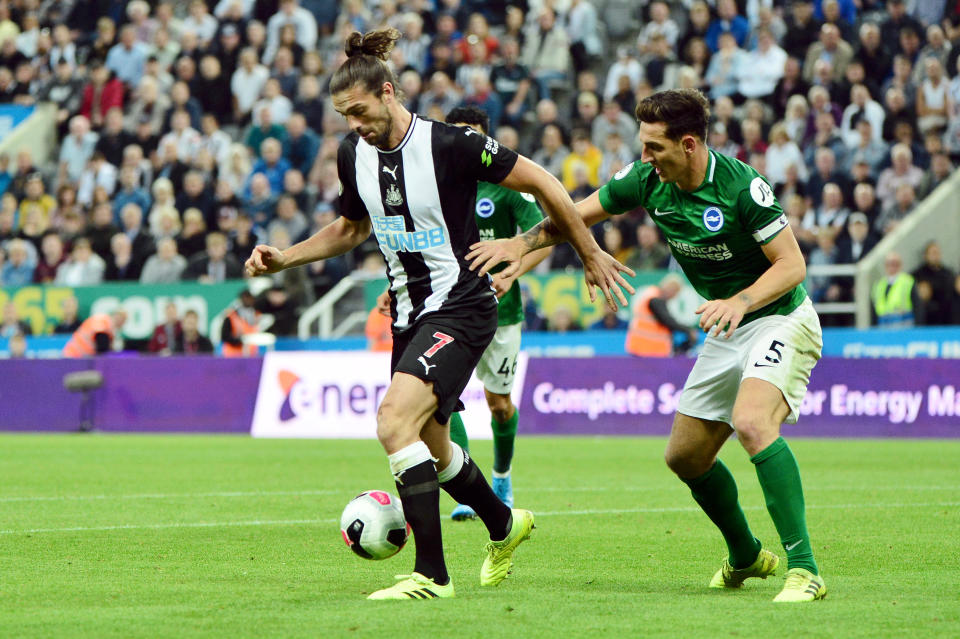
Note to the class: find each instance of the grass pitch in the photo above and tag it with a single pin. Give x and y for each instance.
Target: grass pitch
(177, 536)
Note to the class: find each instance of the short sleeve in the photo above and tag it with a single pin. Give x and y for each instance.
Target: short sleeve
(351, 205)
(760, 211)
(481, 157)
(527, 212)
(622, 193)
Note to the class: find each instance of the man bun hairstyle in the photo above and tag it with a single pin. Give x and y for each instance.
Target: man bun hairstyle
(684, 111)
(366, 65)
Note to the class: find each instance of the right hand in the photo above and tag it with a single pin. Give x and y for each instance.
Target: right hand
(383, 304)
(601, 270)
(264, 260)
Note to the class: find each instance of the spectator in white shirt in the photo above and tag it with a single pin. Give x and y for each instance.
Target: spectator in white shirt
(201, 22)
(76, 149)
(763, 67)
(185, 136)
(99, 172)
(248, 81)
(627, 65)
(781, 153)
(660, 22)
(280, 105)
(302, 20)
(862, 106)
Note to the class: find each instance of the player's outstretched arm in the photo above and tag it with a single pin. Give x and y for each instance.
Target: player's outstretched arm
(334, 239)
(565, 223)
(787, 269)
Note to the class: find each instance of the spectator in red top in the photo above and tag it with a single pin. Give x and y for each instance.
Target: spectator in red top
(101, 94)
(477, 31)
(166, 335)
(51, 257)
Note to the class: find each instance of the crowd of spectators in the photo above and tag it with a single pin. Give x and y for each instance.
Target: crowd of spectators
(191, 130)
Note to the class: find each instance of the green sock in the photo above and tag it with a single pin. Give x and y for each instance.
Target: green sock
(503, 437)
(458, 434)
(716, 492)
(780, 480)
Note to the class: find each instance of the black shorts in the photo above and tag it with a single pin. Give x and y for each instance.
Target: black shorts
(443, 349)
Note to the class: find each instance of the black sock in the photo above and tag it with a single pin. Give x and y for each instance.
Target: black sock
(420, 495)
(470, 487)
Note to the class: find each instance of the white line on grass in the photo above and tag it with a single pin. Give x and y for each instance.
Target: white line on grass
(308, 493)
(554, 513)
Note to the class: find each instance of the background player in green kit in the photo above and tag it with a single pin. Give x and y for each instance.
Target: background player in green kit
(729, 234)
(499, 212)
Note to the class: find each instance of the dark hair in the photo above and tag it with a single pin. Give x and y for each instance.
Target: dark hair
(469, 115)
(366, 62)
(684, 111)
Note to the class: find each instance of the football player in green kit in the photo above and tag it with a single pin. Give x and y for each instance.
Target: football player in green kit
(499, 212)
(729, 234)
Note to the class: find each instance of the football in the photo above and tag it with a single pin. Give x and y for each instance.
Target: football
(373, 525)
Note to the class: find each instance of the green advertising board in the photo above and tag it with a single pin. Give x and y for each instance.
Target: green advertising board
(40, 306)
(568, 289)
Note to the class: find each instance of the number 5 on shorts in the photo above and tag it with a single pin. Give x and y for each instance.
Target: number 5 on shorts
(442, 340)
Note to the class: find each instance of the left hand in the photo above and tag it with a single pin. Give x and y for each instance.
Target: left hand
(486, 255)
(716, 314)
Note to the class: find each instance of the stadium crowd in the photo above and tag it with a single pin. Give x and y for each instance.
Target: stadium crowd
(189, 131)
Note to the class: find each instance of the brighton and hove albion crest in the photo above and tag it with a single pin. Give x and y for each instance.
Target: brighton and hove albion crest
(713, 219)
(393, 196)
(485, 207)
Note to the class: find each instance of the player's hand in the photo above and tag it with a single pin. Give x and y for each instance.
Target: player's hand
(486, 255)
(502, 284)
(264, 260)
(722, 316)
(601, 270)
(383, 303)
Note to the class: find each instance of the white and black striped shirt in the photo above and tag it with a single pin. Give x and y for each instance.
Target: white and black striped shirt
(420, 197)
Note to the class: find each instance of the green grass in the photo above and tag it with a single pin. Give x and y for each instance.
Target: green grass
(175, 536)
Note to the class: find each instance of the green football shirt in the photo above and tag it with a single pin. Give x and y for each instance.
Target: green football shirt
(499, 212)
(716, 231)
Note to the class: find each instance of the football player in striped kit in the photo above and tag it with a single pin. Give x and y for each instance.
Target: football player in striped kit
(413, 183)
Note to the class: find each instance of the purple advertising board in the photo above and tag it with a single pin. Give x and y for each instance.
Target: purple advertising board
(140, 394)
(846, 398)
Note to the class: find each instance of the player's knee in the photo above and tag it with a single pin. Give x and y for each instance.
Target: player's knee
(501, 407)
(753, 431)
(389, 425)
(685, 464)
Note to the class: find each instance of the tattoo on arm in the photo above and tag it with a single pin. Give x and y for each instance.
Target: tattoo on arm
(542, 235)
(746, 300)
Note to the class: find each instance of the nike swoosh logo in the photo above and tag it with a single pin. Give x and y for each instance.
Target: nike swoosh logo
(759, 365)
(657, 211)
(790, 547)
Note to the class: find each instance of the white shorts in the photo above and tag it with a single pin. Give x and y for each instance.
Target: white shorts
(498, 365)
(780, 349)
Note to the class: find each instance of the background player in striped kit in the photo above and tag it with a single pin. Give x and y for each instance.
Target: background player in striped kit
(413, 182)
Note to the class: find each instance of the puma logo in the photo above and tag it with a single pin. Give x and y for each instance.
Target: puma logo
(426, 367)
(392, 172)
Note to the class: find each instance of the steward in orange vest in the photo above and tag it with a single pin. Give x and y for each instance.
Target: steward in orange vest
(95, 335)
(241, 320)
(651, 329)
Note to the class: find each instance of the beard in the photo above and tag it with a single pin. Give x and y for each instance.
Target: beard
(381, 139)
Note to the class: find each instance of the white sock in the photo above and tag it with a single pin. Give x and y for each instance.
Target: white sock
(409, 456)
(455, 465)
(494, 473)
